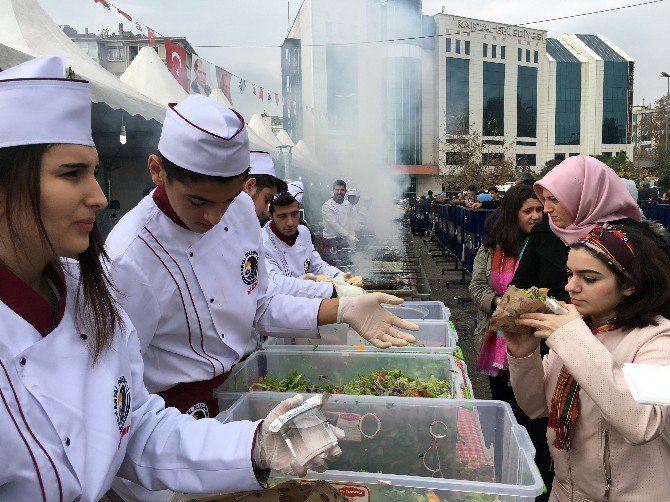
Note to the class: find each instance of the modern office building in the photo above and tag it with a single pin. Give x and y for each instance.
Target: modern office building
(363, 75)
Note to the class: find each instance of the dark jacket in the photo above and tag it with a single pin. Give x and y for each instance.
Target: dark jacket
(544, 260)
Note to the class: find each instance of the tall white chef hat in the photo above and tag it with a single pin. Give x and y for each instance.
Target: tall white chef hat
(297, 189)
(353, 192)
(40, 105)
(206, 137)
(261, 163)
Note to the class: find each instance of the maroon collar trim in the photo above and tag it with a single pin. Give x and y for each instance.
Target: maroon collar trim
(289, 241)
(163, 203)
(28, 304)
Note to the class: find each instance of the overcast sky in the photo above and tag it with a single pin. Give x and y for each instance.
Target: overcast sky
(642, 31)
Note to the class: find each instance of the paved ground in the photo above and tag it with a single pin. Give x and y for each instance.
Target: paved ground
(447, 288)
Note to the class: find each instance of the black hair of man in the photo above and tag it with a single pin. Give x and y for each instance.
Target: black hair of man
(471, 188)
(269, 181)
(115, 204)
(340, 183)
(175, 172)
(493, 189)
(526, 178)
(430, 193)
(283, 200)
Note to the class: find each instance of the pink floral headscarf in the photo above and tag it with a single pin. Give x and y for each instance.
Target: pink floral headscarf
(590, 191)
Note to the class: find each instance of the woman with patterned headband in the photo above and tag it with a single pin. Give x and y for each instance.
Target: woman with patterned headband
(605, 446)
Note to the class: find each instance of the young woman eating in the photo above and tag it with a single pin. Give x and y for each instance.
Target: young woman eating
(605, 446)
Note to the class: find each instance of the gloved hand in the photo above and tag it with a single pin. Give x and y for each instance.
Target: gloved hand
(307, 277)
(343, 290)
(340, 279)
(271, 452)
(352, 240)
(373, 322)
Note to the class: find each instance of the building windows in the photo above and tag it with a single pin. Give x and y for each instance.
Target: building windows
(568, 103)
(525, 159)
(502, 52)
(116, 54)
(520, 53)
(494, 51)
(615, 102)
(448, 44)
(494, 99)
(526, 102)
(560, 157)
(527, 55)
(458, 46)
(467, 47)
(458, 96)
(492, 159)
(485, 50)
(403, 110)
(342, 73)
(133, 50)
(535, 57)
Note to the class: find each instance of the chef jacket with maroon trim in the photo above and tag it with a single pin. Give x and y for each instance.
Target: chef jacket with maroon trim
(69, 425)
(287, 258)
(194, 297)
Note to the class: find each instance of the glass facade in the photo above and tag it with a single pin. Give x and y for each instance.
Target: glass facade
(568, 103)
(526, 102)
(403, 110)
(615, 102)
(494, 99)
(342, 71)
(458, 96)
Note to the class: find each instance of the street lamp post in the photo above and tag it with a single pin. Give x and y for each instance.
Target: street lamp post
(287, 160)
(667, 103)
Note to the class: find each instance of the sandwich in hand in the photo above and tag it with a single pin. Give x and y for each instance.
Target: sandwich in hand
(516, 302)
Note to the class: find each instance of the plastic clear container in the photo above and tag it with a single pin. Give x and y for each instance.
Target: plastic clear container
(422, 310)
(433, 336)
(420, 449)
(329, 367)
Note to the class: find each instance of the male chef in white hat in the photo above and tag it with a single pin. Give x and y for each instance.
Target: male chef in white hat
(188, 262)
(263, 184)
(336, 234)
(291, 259)
(352, 211)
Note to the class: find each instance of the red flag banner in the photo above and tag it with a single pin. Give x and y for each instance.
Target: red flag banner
(261, 94)
(223, 78)
(104, 3)
(277, 98)
(152, 37)
(124, 14)
(175, 59)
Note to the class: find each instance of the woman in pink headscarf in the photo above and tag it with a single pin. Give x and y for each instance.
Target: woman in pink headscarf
(577, 194)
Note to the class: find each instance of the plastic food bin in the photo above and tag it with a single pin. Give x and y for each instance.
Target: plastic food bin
(433, 336)
(338, 368)
(420, 310)
(420, 450)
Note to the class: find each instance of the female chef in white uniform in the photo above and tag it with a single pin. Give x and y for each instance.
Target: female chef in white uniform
(73, 407)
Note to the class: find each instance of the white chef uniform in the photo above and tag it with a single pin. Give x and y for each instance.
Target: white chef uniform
(69, 425)
(335, 219)
(286, 262)
(194, 297)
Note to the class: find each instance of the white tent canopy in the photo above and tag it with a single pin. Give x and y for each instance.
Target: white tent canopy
(285, 139)
(149, 75)
(26, 27)
(304, 151)
(219, 96)
(264, 131)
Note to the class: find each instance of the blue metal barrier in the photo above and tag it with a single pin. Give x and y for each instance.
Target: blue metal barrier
(656, 210)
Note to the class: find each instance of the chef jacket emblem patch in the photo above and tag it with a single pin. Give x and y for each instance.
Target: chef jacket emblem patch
(249, 270)
(122, 406)
(306, 265)
(198, 411)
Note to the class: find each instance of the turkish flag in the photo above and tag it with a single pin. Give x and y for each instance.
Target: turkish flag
(223, 78)
(124, 14)
(104, 3)
(175, 59)
(152, 37)
(261, 93)
(277, 98)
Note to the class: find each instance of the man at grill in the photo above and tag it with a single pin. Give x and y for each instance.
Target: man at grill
(292, 262)
(336, 234)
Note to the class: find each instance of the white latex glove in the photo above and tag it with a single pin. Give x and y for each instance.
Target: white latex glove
(271, 452)
(340, 279)
(352, 240)
(307, 277)
(343, 290)
(373, 322)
